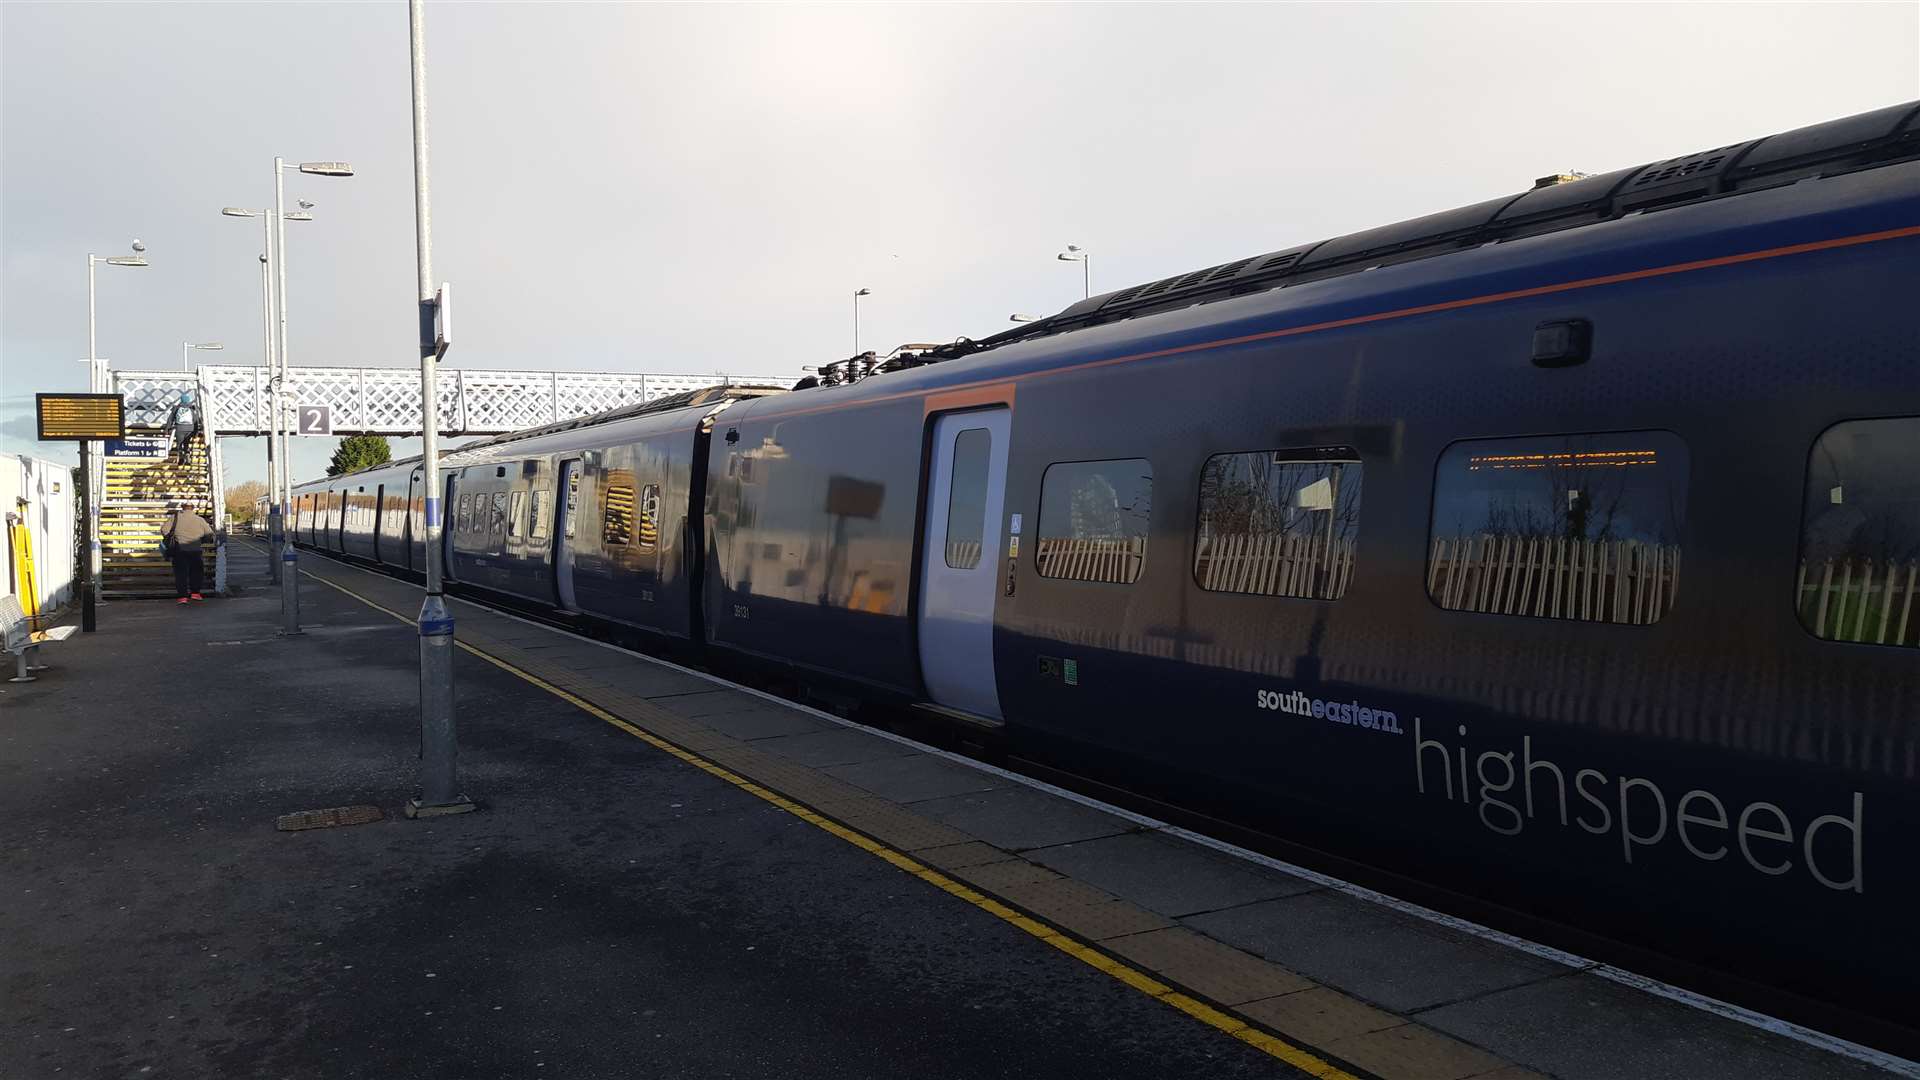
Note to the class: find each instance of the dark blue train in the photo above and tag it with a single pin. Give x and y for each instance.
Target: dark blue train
(1554, 560)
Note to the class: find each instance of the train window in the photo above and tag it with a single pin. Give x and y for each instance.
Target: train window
(537, 515)
(649, 516)
(1582, 527)
(463, 514)
(498, 521)
(516, 502)
(573, 497)
(967, 497)
(1859, 576)
(616, 526)
(1278, 522)
(1093, 520)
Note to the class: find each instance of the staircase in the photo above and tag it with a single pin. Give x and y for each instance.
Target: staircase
(133, 513)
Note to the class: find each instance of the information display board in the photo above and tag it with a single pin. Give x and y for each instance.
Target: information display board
(81, 416)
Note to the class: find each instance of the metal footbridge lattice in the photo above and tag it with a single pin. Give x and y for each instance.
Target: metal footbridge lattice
(386, 400)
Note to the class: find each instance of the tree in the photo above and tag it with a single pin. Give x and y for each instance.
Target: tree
(240, 501)
(357, 452)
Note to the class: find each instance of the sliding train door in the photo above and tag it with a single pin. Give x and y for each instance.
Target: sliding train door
(565, 507)
(960, 560)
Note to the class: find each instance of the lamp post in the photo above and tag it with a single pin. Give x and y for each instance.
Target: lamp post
(96, 383)
(1076, 253)
(207, 346)
(857, 294)
(439, 741)
(289, 572)
(266, 361)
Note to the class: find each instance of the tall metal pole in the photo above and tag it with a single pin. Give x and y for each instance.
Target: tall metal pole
(1086, 276)
(289, 568)
(88, 615)
(439, 743)
(266, 365)
(856, 324)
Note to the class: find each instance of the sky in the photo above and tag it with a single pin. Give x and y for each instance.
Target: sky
(702, 188)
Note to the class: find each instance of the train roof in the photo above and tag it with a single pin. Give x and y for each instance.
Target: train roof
(1554, 204)
(1858, 175)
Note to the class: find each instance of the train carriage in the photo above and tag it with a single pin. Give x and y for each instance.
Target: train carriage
(1554, 560)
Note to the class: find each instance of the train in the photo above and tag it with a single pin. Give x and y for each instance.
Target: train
(1553, 560)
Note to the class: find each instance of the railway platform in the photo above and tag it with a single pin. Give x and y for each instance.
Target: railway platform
(675, 876)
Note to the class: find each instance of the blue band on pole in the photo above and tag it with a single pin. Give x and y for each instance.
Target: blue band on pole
(287, 557)
(436, 628)
(433, 512)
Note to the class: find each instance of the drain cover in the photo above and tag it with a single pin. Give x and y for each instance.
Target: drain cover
(328, 818)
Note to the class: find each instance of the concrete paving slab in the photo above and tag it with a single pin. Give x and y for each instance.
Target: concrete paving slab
(712, 700)
(1411, 1052)
(1207, 967)
(1166, 874)
(835, 746)
(652, 681)
(997, 877)
(1102, 920)
(960, 856)
(1319, 1016)
(1018, 818)
(1583, 1027)
(764, 722)
(916, 778)
(1369, 951)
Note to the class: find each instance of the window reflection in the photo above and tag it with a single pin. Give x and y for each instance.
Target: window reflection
(1278, 522)
(1560, 526)
(1859, 577)
(1093, 520)
(617, 513)
(967, 497)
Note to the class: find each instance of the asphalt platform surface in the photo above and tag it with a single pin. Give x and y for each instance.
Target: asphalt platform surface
(611, 912)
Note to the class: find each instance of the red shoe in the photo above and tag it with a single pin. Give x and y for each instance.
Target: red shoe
(182, 600)
(195, 596)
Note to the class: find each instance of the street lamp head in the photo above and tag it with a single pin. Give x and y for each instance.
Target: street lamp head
(326, 168)
(208, 345)
(863, 292)
(127, 260)
(235, 211)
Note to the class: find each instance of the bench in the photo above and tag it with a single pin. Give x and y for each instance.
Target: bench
(23, 639)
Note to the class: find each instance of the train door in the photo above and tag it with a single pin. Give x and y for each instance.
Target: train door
(411, 532)
(565, 508)
(379, 517)
(448, 520)
(960, 560)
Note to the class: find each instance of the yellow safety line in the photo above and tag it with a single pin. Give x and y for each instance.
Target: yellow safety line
(1232, 1025)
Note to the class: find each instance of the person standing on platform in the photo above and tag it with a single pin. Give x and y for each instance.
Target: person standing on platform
(185, 539)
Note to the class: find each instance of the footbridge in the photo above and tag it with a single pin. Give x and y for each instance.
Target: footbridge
(386, 400)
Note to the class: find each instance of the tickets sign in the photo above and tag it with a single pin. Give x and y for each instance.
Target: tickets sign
(81, 416)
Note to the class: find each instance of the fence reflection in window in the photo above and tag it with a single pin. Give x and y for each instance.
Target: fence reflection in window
(967, 497)
(1093, 520)
(1580, 527)
(1278, 522)
(1859, 576)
